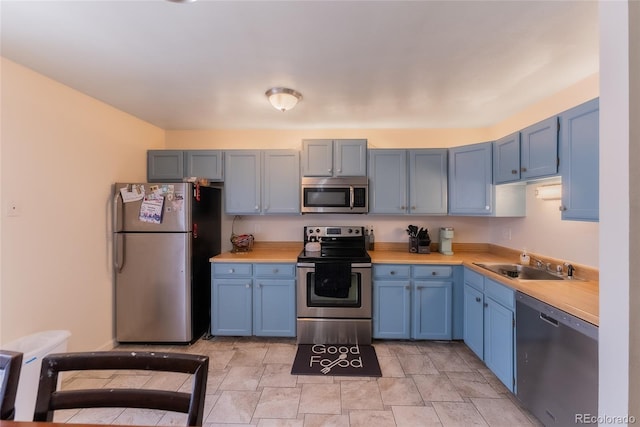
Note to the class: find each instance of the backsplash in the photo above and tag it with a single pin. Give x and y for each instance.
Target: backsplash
(541, 231)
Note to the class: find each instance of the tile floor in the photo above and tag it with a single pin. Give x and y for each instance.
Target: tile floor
(423, 383)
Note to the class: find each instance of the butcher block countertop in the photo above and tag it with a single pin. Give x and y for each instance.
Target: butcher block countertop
(578, 297)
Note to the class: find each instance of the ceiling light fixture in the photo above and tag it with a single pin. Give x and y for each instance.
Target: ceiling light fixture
(283, 98)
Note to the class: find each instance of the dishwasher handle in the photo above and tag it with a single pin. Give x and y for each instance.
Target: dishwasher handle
(550, 320)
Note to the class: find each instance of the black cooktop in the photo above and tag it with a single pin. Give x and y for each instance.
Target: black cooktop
(335, 255)
(337, 244)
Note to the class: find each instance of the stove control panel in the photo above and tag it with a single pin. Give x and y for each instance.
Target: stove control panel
(317, 233)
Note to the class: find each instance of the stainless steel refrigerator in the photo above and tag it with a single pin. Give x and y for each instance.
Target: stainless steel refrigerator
(164, 235)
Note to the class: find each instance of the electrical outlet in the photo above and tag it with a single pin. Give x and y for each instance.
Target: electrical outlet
(506, 233)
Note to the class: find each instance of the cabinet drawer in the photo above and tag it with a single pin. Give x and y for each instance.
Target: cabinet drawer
(392, 271)
(427, 271)
(499, 293)
(232, 270)
(275, 270)
(474, 279)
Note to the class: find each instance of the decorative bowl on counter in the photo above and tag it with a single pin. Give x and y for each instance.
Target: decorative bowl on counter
(241, 242)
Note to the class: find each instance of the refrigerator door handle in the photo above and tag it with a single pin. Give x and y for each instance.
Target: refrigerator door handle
(116, 204)
(118, 252)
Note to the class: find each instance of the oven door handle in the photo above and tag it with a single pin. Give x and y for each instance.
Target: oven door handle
(306, 265)
(351, 196)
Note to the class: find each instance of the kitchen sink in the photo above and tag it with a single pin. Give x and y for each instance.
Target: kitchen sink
(522, 272)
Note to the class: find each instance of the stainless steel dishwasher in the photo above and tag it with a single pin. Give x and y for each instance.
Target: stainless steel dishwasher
(557, 363)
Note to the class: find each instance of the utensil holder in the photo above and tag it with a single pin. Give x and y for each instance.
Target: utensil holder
(413, 245)
(424, 246)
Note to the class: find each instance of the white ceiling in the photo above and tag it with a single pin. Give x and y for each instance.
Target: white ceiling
(358, 64)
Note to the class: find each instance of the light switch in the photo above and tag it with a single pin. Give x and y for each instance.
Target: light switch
(13, 209)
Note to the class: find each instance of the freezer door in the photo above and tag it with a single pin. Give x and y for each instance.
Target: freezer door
(176, 209)
(153, 287)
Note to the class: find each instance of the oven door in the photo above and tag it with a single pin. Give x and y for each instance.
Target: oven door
(353, 301)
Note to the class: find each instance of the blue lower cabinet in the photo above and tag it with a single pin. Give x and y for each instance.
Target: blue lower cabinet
(498, 341)
(253, 299)
(231, 307)
(473, 320)
(274, 308)
(432, 306)
(415, 301)
(489, 324)
(391, 309)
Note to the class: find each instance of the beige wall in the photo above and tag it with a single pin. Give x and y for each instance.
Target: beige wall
(61, 153)
(541, 231)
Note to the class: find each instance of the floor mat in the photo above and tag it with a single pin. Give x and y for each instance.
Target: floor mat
(336, 359)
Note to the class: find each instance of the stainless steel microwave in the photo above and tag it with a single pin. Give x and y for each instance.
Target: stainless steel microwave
(335, 195)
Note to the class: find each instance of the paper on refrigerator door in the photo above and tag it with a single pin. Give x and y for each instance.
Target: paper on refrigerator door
(151, 210)
(136, 193)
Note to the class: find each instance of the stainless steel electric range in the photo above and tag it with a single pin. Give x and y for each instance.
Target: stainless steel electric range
(334, 289)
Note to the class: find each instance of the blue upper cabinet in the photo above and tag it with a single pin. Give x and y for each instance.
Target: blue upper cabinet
(204, 164)
(317, 157)
(579, 152)
(281, 182)
(539, 149)
(350, 157)
(408, 181)
(506, 159)
(174, 165)
(262, 182)
(471, 180)
(340, 157)
(165, 165)
(388, 181)
(428, 181)
(242, 187)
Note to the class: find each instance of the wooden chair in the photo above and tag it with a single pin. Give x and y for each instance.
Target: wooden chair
(10, 365)
(49, 399)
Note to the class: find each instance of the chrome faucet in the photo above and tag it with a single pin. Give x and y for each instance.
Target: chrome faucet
(541, 264)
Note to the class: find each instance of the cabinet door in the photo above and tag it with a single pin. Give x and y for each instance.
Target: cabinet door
(204, 164)
(428, 181)
(350, 157)
(387, 181)
(432, 306)
(165, 165)
(470, 180)
(579, 163)
(242, 182)
(274, 308)
(317, 157)
(231, 307)
(391, 309)
(539, 149)
(473, 330)
(506, 159)
(498, 341)
(281, 185)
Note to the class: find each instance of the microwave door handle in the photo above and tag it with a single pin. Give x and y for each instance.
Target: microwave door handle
(351, 196)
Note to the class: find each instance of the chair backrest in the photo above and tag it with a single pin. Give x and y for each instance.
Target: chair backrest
(49, 399)
(10, 365)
